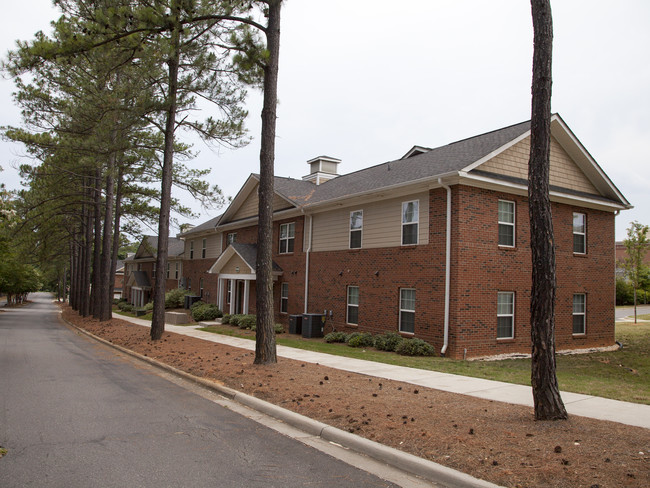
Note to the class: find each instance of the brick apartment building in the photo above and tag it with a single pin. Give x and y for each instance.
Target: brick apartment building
(140, 270)
(434, 245)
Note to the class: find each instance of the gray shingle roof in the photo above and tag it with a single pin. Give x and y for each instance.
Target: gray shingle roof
(248, 253)
(436, 162)
(141, 279)
(208, 225)
(175, 247)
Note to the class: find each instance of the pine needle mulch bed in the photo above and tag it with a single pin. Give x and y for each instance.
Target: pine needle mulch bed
(495, 441)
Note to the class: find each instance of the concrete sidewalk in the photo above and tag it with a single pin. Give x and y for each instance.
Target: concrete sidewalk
(576, 404)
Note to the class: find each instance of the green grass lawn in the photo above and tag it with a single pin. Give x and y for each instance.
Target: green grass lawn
(622, 375)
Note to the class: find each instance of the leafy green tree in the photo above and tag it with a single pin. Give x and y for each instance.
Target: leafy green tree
(636, 244)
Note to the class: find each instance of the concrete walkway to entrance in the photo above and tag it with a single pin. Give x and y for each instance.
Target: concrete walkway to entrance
(576, 403)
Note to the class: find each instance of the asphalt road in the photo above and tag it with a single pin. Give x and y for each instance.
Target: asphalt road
(74, 413)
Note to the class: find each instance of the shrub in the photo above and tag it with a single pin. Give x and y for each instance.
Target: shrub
(175, 298)
(415, 347)
(234, 319)
(278, 328)
(205, 311)
(247, 321)
(196, 305)
(125, 307)
(225, 319)
(362, 340)
(388, 341)
(624, 292)
(336, 337)
(148, 307)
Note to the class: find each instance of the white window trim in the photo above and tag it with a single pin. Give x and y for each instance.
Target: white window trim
(231, 237)
(583, 234)
(191, 249)
(511, 315)
(287, 239)
(583, 314)
(360, 230)
(405, 310)
(168, 268)
(348, 305)
(284, 286)
(416, 223)
(512, 224)
(204, 246)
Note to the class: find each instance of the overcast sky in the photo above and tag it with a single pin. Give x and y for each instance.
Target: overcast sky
(364, 81)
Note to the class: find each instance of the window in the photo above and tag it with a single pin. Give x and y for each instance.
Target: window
(177, 272)
(204, 245)
(407, 310)
(228, 291)
(287, 234)
(579, 313)
(168, 267)
(153, 273)
(579, 233)
(356, 228)
(284, 298)
(506, 223)
(230, 238)
(353, 305)
(201, 287)
(410, 218)
(191, 249)
(505, 315)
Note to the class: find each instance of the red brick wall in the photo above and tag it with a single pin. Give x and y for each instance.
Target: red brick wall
(480, 268)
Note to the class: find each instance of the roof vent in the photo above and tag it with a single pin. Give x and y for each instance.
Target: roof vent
(322, 168)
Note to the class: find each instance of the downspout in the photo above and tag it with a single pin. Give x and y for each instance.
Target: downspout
(307, 253)
(447, 268)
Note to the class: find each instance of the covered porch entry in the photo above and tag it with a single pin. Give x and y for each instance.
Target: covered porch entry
(236, 278)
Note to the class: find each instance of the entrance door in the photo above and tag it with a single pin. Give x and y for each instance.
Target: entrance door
(239, 297)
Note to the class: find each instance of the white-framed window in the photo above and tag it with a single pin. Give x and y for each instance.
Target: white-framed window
(579, 233)
(506, 223)
(410, 220)
(230, 238)
(153, 273)
(228, 291)
(168, 268)
(407, 310)
(353, 305)
(284, 298)
(201, 287)
(177, 271)
(204, 246)
(191, 249)
(579, 313)
(356, 228)
(505, 315)
(287, 235)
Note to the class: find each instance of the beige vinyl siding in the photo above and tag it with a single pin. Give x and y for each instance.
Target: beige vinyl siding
(382, 225)
(233, 263)
(563, 172)
(212, 248)
(250, 207)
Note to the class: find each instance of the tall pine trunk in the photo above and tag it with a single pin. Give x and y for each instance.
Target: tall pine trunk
(265, 349)
(87, 251)
(96, 289)
(158, 320)
(546, 394)
(105, 300)
(116, 240)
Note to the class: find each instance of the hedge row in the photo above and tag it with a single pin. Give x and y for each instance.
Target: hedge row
(390, 341)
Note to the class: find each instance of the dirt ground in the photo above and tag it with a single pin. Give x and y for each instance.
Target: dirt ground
(494, 441)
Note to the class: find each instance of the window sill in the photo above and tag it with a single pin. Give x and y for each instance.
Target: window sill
(355, 326)
(406, 334)
(580, 255)
(408, 246)
(502, 340)
(507, 248)
(579, 335)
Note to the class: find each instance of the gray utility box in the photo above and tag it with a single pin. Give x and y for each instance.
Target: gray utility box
(190, 300)
(295, 324)
(312, 325)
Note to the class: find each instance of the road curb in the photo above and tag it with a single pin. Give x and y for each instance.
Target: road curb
(394, 457)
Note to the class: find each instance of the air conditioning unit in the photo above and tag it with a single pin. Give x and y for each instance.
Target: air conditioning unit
(312, 325)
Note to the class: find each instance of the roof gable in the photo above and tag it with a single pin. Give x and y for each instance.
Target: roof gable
(239, 258)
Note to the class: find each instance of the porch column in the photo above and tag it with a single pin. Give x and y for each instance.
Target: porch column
(247, 287)
(220, 293)
(233, 296)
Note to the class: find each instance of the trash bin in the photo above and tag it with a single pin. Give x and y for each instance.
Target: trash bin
(312, 325)
(295, 324)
